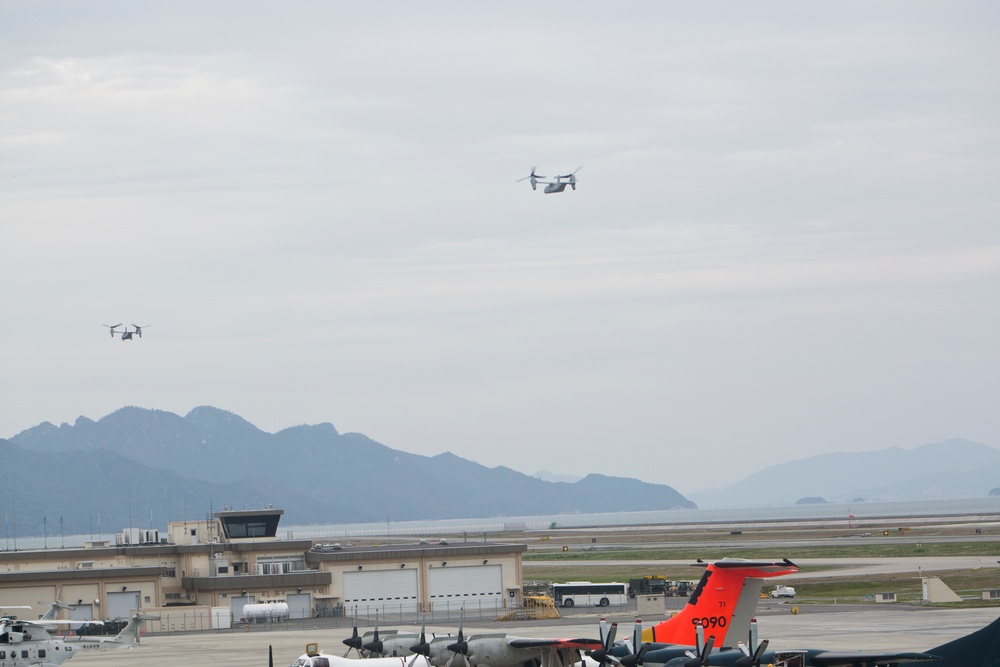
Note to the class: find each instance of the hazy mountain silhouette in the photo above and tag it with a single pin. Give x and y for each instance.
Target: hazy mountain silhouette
(954, 468)
(140, 467)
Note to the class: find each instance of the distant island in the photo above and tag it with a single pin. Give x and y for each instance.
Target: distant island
(812, 500)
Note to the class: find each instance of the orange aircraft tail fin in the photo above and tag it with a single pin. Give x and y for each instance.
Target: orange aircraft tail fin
(714, 601)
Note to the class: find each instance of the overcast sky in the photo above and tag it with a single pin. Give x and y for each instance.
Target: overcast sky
(784, 241)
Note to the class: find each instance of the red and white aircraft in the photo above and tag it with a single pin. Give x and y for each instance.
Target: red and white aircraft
(725, 599)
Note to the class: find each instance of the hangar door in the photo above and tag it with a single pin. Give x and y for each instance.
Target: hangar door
(382, 590)
(120, 605)
(474, 588)
(299, 605)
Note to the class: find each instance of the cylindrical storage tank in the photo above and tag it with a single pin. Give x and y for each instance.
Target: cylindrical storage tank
(263, 612)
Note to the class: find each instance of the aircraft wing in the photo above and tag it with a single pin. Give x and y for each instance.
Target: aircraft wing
(847, 658)
(587, 644)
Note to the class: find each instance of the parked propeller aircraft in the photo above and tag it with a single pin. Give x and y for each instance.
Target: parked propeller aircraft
(977, 649)
(24, 643)
(726, 597)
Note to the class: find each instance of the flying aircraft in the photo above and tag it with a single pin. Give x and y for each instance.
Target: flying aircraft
(977, 649)
(24, 643)
(126, 334)
(557, 185)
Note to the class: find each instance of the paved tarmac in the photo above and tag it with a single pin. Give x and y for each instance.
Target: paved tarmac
(830, 627)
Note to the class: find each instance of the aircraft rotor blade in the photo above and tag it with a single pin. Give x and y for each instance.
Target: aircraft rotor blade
(270, 656)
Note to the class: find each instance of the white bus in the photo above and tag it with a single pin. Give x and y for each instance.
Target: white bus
(575, 593)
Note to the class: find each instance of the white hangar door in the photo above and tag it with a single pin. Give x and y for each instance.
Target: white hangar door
(120, 605)
(382, 590)
(299, 605)
(474, 588)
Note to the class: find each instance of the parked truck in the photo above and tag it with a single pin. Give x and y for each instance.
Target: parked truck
(651, 584)
(783, 592)
(657, 584)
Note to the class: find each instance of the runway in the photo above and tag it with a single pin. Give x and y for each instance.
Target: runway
(890, 627)
(837, 567)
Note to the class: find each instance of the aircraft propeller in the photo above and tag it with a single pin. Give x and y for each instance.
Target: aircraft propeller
(635, 658)
(533, 176)
(603, 655)
(354, 641)
(704, 649)
(752, 654)
(423, 647)
(270, 656)
(461, 647)
(375, 646)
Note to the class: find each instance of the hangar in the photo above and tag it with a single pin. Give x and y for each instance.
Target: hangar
(203, 572)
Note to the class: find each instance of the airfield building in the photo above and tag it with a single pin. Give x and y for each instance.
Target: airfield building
(217, 566)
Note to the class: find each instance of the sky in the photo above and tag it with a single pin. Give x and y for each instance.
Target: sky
(783, 242)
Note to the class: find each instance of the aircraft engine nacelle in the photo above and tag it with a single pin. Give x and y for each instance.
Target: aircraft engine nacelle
(534, 183)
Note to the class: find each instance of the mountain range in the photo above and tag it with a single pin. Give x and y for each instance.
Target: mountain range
(955, 468)
(141, 468)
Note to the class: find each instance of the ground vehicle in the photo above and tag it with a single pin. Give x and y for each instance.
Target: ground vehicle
(575, 593)
(651, 584)
(783, 592)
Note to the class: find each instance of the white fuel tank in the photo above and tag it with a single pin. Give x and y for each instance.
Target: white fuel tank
(263, 612)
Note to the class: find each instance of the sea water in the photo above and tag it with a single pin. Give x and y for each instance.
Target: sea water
(861, 510)
(480, 528)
